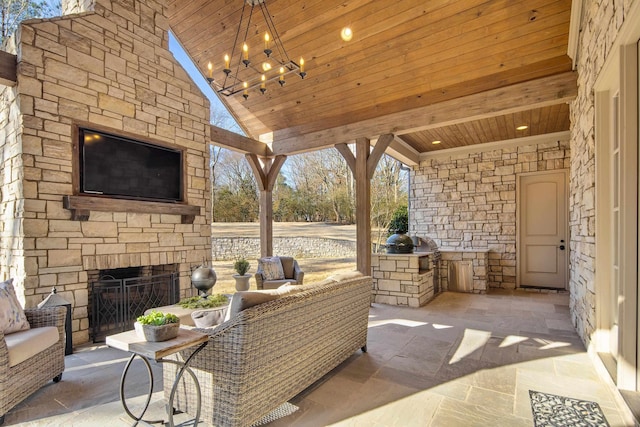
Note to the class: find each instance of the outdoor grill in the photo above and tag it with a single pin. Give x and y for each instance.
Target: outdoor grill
(427, 244)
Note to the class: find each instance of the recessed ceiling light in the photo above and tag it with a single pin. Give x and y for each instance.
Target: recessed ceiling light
(346, 34)
(436, 142)
(522, 127)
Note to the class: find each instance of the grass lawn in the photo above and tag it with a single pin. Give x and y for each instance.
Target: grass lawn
(315, 269)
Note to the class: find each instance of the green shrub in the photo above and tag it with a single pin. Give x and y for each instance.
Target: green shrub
(400, 221)
(211, 301)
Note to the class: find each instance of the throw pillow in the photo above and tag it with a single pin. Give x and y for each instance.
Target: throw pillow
(246, 299)
(271, 268)
(287, 289)
(12, 317)
(209, 317)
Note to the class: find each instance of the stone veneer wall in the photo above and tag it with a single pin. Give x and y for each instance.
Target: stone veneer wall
(112, 68)
(468, 200)
(601, 22)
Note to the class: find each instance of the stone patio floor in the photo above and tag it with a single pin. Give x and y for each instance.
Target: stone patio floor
(461, 360)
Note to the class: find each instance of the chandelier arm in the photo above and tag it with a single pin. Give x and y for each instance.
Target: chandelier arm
(235, 43)
(272, 27)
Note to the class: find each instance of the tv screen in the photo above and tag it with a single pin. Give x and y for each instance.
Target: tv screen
(115, 166)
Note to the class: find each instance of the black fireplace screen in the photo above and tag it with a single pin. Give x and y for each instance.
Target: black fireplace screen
(116, 303)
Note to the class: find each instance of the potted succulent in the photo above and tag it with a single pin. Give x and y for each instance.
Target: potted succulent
(241, 266)
(157, 326)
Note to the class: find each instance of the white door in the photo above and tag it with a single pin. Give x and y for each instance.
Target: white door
(543, 222)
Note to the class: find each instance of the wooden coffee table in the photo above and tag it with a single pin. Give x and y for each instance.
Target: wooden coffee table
(157, 351)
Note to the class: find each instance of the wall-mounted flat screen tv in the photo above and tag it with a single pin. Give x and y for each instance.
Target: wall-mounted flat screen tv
(115, 166)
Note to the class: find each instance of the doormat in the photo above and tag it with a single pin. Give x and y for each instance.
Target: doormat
(281, 411)
(550, 410)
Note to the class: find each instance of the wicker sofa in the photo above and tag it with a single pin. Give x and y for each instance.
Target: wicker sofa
(19, 381)
(267, 354)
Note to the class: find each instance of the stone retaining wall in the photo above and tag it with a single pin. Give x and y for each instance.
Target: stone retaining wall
(228, 248)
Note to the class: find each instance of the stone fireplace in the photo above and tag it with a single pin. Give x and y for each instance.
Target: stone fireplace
(105, 65)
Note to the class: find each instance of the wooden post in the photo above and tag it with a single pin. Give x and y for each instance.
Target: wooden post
(266, 174)
(266, 223)
(363, 208)
(363, 167)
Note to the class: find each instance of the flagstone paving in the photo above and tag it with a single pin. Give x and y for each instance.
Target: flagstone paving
(461, 360)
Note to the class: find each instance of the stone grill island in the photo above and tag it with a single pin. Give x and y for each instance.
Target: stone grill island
(414, 279)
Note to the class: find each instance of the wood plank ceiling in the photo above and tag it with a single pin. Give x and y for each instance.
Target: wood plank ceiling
(404, 55)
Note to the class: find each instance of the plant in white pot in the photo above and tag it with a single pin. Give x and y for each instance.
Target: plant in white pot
(241, 266)
(157, 326)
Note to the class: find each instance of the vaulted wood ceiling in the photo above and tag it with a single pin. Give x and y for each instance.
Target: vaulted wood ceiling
(463, 72)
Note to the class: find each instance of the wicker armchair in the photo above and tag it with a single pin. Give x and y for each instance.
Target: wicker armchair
(292, 274)
(21, 380)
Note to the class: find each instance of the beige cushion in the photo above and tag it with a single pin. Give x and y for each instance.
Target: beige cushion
(287, 288)
(12, 318)
(275, 284)
(27, 343)
(246, 299)
(271, 268)
(347, 275)
(208, 317)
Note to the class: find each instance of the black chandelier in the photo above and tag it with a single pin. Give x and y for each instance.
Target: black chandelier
(241, 74)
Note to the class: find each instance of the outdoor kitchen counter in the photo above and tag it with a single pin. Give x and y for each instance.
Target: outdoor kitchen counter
(457, 263)
(403, 279)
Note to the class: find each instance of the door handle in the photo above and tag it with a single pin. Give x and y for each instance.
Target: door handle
(561, 247)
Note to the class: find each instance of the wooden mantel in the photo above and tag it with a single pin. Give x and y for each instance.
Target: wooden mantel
(81, 207)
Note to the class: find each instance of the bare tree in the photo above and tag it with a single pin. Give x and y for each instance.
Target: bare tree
(388, 191)
(12, 12)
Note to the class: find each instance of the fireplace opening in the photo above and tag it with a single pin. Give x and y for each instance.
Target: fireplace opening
(118, 296)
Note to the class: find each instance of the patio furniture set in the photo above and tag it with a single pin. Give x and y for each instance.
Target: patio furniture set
(256, 354)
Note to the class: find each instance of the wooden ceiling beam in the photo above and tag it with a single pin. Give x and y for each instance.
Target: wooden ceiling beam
(236, 142)
(556, 89)
(378, 150)
(348, 156)
(8, 65)
(400, 150)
